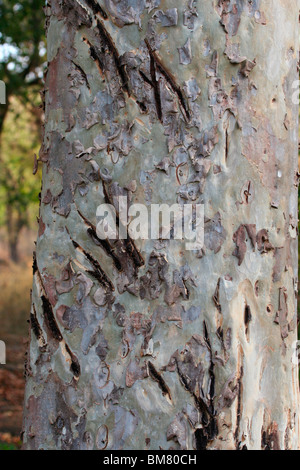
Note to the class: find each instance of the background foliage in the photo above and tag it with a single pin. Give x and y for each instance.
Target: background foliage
(22, 63)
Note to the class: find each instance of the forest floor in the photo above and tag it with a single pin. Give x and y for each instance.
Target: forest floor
(12, 392)
(15, 285)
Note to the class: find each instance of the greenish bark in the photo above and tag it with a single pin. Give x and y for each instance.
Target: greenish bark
(144, 345)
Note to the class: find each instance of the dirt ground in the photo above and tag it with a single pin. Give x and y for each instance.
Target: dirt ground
(15, 285)
(12, 390)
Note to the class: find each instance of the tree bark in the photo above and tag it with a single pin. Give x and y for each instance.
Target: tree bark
(144, 345)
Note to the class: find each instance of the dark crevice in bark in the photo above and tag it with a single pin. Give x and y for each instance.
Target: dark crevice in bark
(129, 244)
(96, 56)
(98, 272)
(157, 377)
(142, 106)
(170, 79)
(211, 371)
(146, 79)
(103, 243)
(121, 69)
(247, 320)
(226, 145)
(220, 334)
(216, 297)
(270, 438)
(75, 366)
(156, 88)
(201, 439)
(134, 253)
(35, 326)
(53, 327)
(239, 407)
(50, 319)
(97, 9)
(106, 247)
(34, 264)
(208, 416)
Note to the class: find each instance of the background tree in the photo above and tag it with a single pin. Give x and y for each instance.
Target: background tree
(142, 344)
(19, 188)
(23, 49)
(22, 54)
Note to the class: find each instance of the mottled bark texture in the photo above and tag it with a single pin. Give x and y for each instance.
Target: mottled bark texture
(143, 345)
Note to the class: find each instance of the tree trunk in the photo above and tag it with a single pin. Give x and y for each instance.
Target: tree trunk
(13, 251)
(143, 344)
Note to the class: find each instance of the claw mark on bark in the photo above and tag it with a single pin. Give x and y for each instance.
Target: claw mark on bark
(96, 57)
(130, 247)
(50, 319)
(170, 79)
(98, 272)
(37, 330)
(146, 79)
(107, 40)
(103, 243)
(209, 431)
(156, 88)
(75, 366)
(211, 369)
(157, 377)
(97, 9)
(52, 326)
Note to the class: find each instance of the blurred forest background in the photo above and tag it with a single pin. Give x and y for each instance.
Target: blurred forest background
(22, 64)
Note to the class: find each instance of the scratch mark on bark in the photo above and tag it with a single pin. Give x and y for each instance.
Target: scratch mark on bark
(130, 246)
(146, 79)
(156, 88)
(107, 40)
(170, 79)
(98, 272)
(216, 297)
(50, 319)
(97, 9)
(157, 377)
(36, 328)
(53, 327)
(95, 57)
(75, 366)
(103, 243)
(209, 431)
